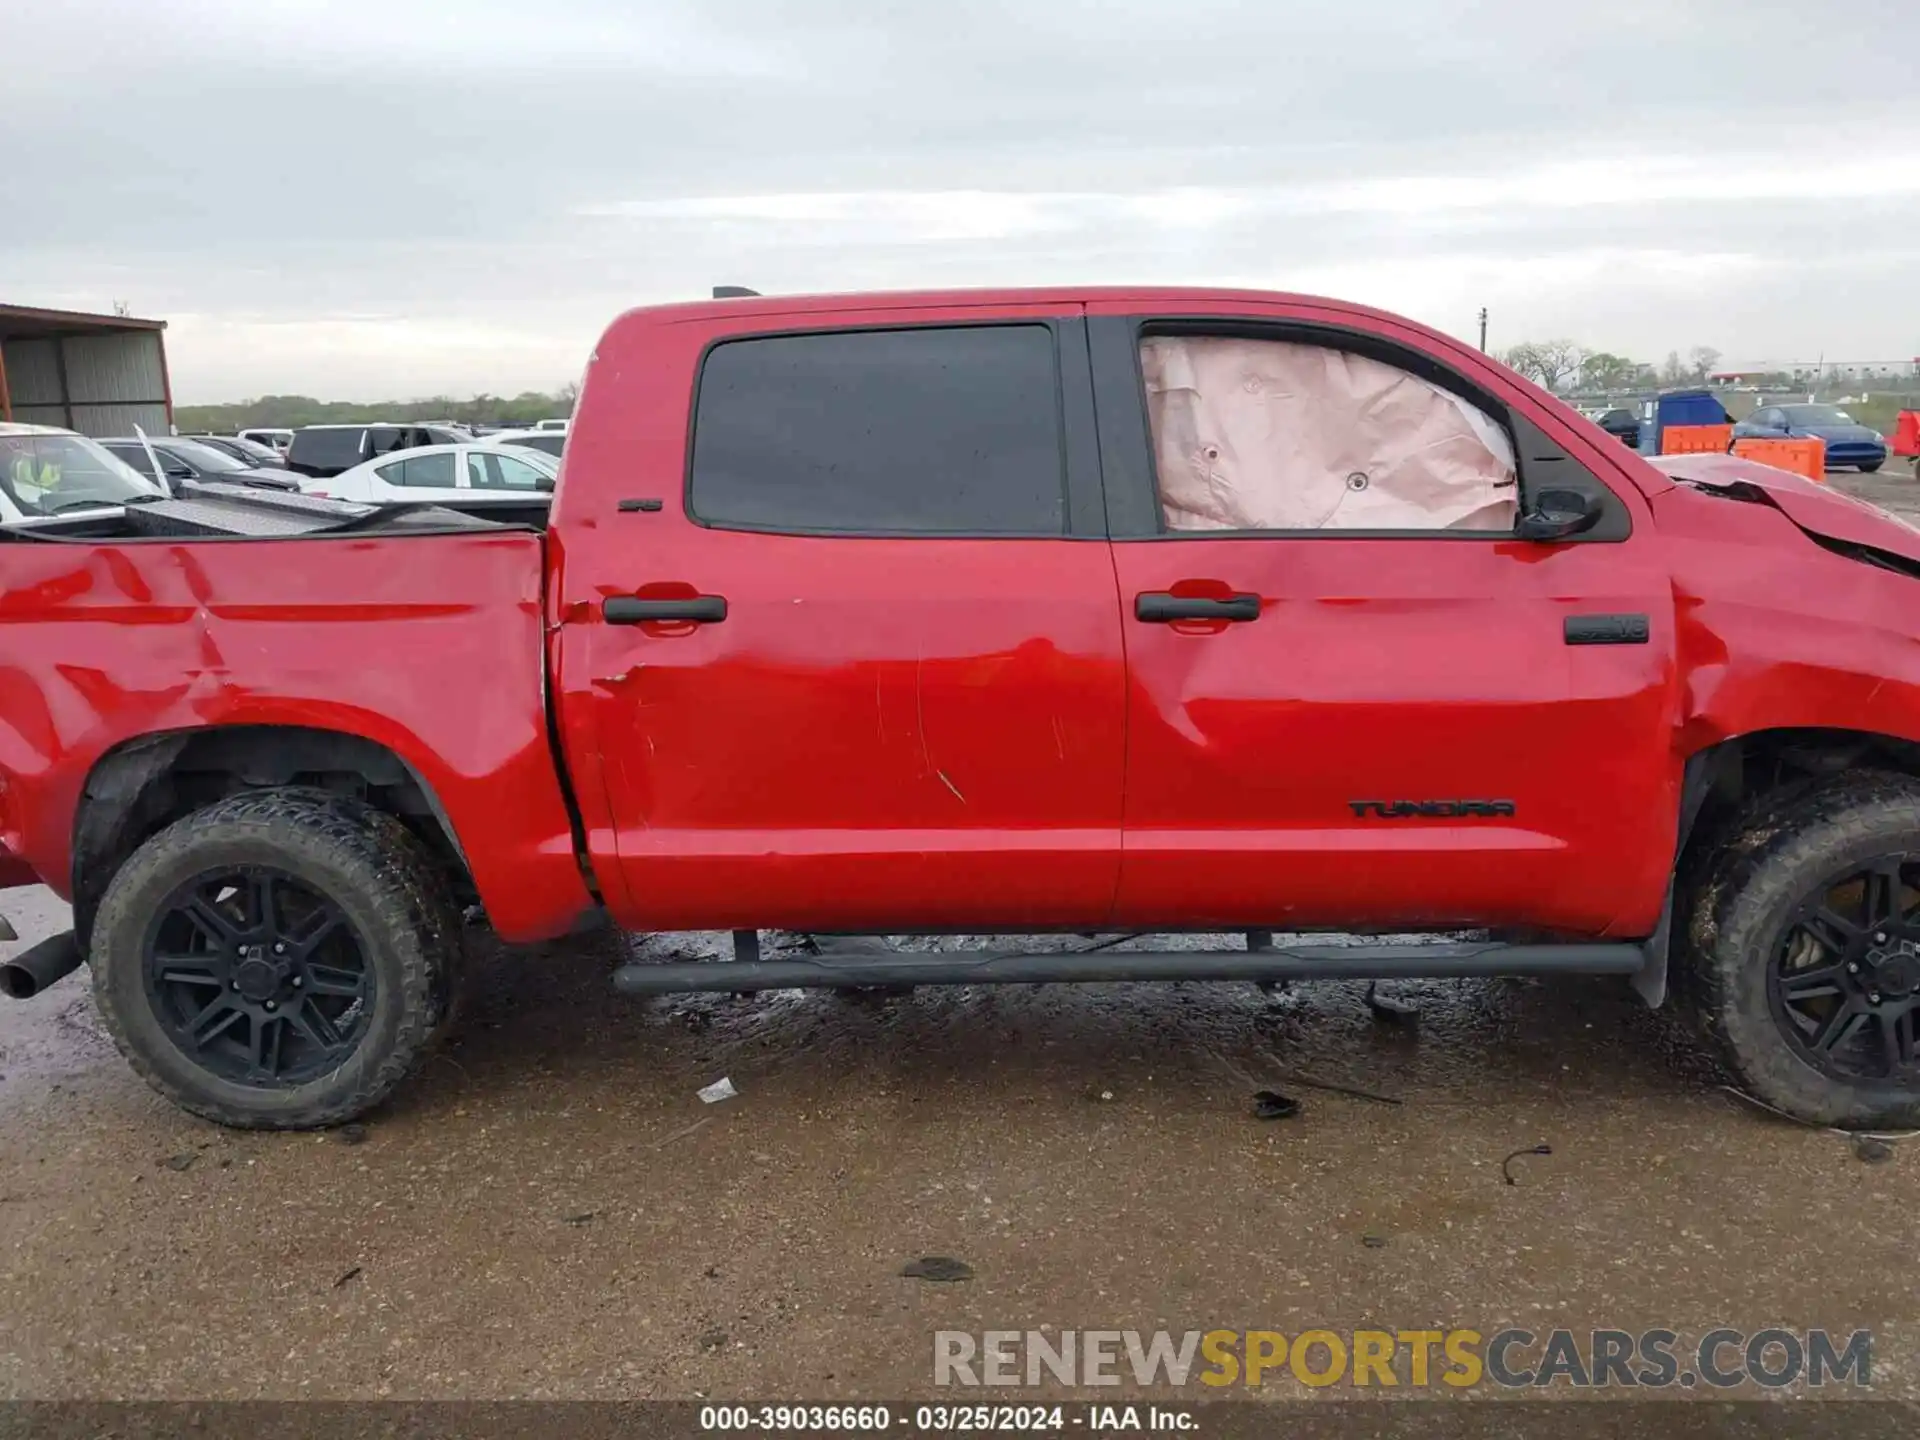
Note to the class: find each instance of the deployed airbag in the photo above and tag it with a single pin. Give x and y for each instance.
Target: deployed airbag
(1273, 435)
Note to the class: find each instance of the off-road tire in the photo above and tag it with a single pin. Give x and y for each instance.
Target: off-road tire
(363, 860)
(1771, 859)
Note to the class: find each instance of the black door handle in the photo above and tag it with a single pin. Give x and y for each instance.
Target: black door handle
(632, 610)
(1161, 608)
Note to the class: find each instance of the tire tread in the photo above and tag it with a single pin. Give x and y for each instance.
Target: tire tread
(418, 917)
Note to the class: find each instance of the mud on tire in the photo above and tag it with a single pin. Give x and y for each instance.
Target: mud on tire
(1802, 945)
(279, 960)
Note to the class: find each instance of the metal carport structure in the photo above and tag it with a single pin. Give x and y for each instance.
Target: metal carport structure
(98, 374)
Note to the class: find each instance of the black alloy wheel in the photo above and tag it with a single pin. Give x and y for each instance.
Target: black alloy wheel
(259, 979)
(1844, 986)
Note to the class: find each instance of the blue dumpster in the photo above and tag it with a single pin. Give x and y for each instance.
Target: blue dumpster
(1677, 407)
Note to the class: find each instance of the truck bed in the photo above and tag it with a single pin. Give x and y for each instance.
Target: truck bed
(423, 635)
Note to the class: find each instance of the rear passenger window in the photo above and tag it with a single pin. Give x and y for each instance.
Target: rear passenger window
(931, 431)
(487, 471)
(430, 472)
(1255, 434)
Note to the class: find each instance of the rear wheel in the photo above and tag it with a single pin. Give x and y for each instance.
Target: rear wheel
(1806, 943)
(278, 960)
(1871, 466)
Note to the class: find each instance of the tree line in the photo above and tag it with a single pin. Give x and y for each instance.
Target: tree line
(290, 412)
(1564, 367)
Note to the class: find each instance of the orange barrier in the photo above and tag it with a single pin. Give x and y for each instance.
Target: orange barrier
(1802, 457)
(1906, 433)
(1696, 439)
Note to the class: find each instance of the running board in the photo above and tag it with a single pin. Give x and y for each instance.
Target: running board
(1265, 966)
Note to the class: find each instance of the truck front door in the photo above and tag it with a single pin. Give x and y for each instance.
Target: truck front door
(1356, 699)
(846, 653)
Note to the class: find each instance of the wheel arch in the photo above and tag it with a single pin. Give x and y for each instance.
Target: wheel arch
(142, 785)
(1720, 781)
(1728, 775)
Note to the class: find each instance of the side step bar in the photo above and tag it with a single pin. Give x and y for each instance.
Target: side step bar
(1301, 962)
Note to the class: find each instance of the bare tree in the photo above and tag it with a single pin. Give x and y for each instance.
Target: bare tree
(1561, 361)
(1704, 358)
(1551, 364)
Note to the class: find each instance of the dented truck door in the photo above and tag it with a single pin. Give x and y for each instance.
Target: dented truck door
(851, 650)
(1357, 696)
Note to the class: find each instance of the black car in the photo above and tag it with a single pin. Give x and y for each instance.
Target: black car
(320, 451)
(247, 452)
(1623, 425)
(184, 459)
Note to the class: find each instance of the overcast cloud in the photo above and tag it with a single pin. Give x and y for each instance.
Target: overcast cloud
(369, 198)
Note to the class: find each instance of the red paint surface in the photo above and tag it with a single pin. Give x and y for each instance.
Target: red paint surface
(883, 733)
(956, 733)
(429, 646)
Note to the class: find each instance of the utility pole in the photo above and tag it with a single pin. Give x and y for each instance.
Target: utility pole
(1483, 329)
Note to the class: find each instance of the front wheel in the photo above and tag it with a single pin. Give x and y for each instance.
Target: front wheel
(1871, 466)
(279, 960)
(1806, 942)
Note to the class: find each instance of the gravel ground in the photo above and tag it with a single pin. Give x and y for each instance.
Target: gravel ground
(548, 1210)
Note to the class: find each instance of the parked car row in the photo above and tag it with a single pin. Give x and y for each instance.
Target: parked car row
(462, 471)
(46, 472)
(322, 451)
(184, 457)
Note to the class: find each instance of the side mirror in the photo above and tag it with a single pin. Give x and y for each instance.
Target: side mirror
(1558, 514)
(179, 472)
(545, 484)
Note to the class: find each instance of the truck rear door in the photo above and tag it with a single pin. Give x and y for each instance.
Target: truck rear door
(844, 653)
(1355, 698)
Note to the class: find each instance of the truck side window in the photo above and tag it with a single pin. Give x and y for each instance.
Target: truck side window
(1253, 434)
(919, 431)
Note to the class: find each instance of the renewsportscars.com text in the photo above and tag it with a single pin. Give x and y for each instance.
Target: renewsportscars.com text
(1459, 1358)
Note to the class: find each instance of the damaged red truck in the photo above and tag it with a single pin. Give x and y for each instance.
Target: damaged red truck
(996, 613)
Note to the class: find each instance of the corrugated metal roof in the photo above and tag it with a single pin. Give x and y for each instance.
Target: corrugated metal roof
(21, 320)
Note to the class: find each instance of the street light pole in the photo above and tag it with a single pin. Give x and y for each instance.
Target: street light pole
(1483, 329)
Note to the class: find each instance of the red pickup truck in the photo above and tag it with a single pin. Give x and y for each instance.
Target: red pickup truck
(997, 613)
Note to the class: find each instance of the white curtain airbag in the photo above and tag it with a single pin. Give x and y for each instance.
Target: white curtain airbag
(1271, 435)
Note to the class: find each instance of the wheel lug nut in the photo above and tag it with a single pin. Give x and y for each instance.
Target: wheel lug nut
(269, 1004)
(279, 949)
(296, 982)
(1874, 997)
(1853, 968)
(233, 984)
(1880, 937)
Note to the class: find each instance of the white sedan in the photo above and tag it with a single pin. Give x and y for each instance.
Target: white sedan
(428, 473)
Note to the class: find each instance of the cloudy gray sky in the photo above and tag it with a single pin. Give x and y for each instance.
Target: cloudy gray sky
(368, 198)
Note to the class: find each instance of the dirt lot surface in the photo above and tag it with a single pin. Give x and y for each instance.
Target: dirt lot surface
(548, 1210)
(1893, 488)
